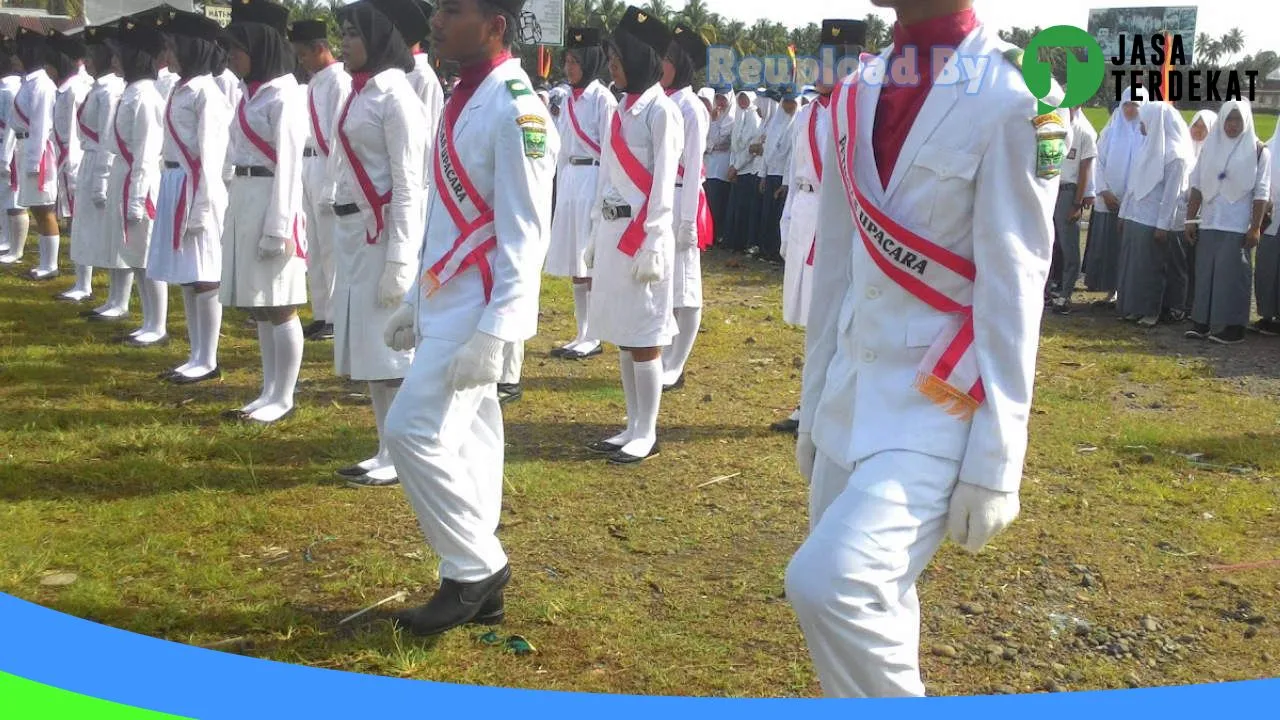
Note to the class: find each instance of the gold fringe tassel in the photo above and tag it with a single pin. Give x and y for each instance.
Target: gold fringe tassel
(955, 402)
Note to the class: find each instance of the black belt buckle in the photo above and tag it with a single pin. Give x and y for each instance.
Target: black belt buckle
(583, 161)
(806, 187)
(21, 135)
(310, 152)
(616, 212)
(171, 165)
(345, 210)
(254, 171)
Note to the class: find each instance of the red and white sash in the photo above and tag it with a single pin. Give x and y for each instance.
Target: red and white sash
(85, 130)
(43, 176)
(321, 144)
(377, 201)
(633, 236)
(474, 218)
(127, 155)
(13, 162)
(815, 154)
(577, 129)
(269, 152)
(193, 170)
(63, 149)
(949, 374)
(706, 228)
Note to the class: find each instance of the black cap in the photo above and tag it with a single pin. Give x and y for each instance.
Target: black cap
(72, 47)
(427, 7)
(840, 33)
(193, 25)
(643, 26)
(263, 12)
(407, 17)
(693, 45)
(26, 36)
(157, 15)
(99, 34)
(582, 37)
(145, 36)
(308, 31)
(512, 6)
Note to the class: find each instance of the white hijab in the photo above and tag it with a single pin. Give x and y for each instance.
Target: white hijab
(1118, 143)
(1167, 140)
(730, 112)
(1210, 118)
(767, 106)
(1229, 166)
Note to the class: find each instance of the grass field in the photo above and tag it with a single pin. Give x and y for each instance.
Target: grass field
(655, 579)
(1264, 124)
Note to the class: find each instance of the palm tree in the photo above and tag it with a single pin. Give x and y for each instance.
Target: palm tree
(1232, 42)
(696, 14)
(877, 29)
(660, 10)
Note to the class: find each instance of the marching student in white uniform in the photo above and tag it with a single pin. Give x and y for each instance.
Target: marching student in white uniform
(65, 60)
(1118, 142)
(327, 90)
(36, 160)
(779, 140)
(477, 291)
(1073, 189)
(264, 267)
(1230, 187)
(692, 215)
(377, 162)
(803, 180)
(1266, 279)
(744, 173)
(719, 140)
(584, 127)
(226, 80)
(186, 239)
(1202, 123)
(424, 80)
(1152, 255)
(919, 367)
(633, 248)
(136, 138)
(13, 232)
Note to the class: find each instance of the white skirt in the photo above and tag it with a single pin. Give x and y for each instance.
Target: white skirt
(248, 282)
(571, 221)
(197, 260)
(686, 285)
(8, 196)
(121, 251)
(797, 277)
(91, 220)
(624, 312)
(359, 351)
(30, 192)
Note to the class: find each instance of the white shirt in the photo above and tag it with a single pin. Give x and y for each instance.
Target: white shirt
(34, 102)
(719, 140)
(230, 86)
(1084, 146)
(778, 142)
(696, 119)
(653, 130)
(1160, 207)
(593, 111)
(427, 85)
(746, 130)
(66, 108)
(165, 80)
(327, 92)
(137, 132)
(383, 126)
(197, 116)
(277, 113)
(801, 170)
(9, 87)
(95, 120)
(1220, 213)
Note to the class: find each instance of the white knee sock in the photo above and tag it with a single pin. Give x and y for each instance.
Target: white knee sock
(209, 310)
(19, 225)
(627, 366)
(119, 287)
(84, 281)
(795, 414)
(266, 346)
(144, 299)
(288, 347)
(155, 308)
(677, 354)
(49, 247)
(648, 380)
(193, 330)
(581, 307)
(382, 394)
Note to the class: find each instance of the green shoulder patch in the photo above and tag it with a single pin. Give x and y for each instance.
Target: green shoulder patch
(533, 130)
(1014, 56)
(518, 88)
(1051, 145)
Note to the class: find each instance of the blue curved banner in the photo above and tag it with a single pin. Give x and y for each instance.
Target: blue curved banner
(88, 659)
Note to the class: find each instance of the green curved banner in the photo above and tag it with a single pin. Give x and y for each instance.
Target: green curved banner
(27, 700)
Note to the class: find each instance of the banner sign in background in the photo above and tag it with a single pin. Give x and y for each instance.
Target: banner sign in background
(1106, 25)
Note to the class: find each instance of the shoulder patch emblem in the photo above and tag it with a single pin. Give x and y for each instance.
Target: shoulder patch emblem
(524, 120)
(533, 131)
(518, 88)
(1051, 145)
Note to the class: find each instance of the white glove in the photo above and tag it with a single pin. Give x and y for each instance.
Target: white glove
(478, 363)
(398, 332)
(786, 230)
(647, 267)
(270, 248)
(978, 514)
(396, 280)
(589, 257)
(806, 453)
(326, 209)
(687, 235)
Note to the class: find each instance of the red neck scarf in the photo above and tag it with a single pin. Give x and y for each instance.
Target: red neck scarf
(359, 80)
(900, 104)
(469, 78)
(577, 93)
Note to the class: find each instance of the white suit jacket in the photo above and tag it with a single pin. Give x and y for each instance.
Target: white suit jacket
(696, 122)
(278, 114)
(35, 100)
(594, 111)
(138, 131)
(66, 109)
(96, 117)
(967, 180)
(198, 115)
(9, 87)
(327, 93)
(492, 149)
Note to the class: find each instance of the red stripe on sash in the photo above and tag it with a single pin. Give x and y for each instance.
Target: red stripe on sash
(706, 227)
(315, 124)
(193, 171)
(85, 130)
(470, 230)
(43, 175)
(128, 177)
(814, 152)
(633, 237)
(573, 120)
(376, 201)
(263, 146)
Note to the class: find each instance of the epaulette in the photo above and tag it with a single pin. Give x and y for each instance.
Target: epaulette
(1014, 56)
(518, 88)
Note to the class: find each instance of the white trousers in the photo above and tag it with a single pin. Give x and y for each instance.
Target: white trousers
(447, 447)
(512, 363)
(853, 581)
(321, 258)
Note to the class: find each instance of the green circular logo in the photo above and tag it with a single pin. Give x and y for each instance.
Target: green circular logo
(1083, 78)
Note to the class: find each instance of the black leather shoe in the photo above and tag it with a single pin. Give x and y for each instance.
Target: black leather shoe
(234, 415)
(621, 458)
(456, 604)
(786, 426)
(364, 481)
(575, 355)
(509, 393)
(92, 316)
(603, 447)
(324, 333)
(677, 385)
(159, 342)
(353, 471)
(558, 352)
(179, 379)
(64, 298)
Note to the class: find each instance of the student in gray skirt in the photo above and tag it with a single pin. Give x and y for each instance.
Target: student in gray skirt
(1230, 187)
(1267, 276)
